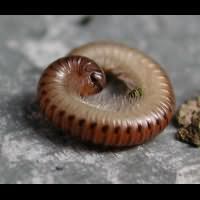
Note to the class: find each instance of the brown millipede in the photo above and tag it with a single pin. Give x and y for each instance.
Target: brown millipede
(72, 95)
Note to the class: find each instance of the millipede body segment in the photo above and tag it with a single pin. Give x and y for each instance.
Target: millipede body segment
(68, 83)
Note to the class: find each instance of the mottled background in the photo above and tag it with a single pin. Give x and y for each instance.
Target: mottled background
(33, 152)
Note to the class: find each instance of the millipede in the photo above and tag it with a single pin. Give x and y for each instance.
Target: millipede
(75, 94)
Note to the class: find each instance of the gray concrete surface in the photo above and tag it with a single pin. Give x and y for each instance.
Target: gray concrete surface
(33, 152)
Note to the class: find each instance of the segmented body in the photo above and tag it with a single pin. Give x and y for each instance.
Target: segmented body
(66, 80)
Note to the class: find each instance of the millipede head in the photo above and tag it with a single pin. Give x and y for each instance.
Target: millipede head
(88, 77)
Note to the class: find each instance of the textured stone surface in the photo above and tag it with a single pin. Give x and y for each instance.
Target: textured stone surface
(32, 152)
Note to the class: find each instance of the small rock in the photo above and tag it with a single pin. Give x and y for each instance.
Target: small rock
(188, 118)
(59, 168)
(85, 20)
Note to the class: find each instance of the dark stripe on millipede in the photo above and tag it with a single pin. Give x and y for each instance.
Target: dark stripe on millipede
(116, 130)
(166, 118)
(159, 124)
(71, 118)
(43, 92)
(105, 136)
(61, 114)
(149, 125)
(105, 129)
(139, 128)
(93, 126)
(140, 132)
(91, 133)
(128, 130)
(52, 111)
(81, 123)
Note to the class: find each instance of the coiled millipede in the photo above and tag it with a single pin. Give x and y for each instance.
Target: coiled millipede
(75, 95)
